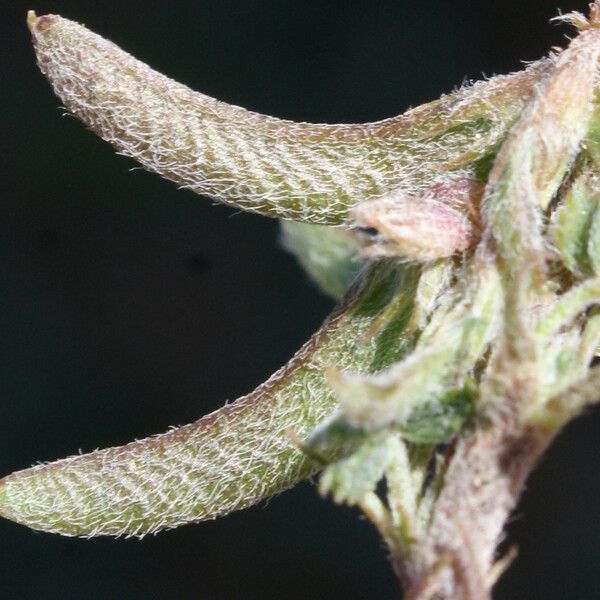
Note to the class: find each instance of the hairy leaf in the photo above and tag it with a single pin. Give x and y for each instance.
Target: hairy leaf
(572, 224)
(299, 171)
(228, 460)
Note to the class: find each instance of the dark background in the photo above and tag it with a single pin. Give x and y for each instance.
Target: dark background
(128, 306)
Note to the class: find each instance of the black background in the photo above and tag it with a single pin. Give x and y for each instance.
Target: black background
(128, 306)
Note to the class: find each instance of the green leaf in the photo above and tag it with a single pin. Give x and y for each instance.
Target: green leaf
(299, 171)
(228, 460)
(447, 351)
(573, 222)
(437, 422)
(334, 438)
(348, 480)
(328, 255)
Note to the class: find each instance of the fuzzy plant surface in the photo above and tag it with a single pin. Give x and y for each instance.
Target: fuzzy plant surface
(462, 240)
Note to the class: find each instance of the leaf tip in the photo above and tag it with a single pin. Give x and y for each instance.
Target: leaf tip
(32, 20)
(35, 23)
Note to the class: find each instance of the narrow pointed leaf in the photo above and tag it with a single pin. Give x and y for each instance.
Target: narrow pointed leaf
(299, 171)
(228, 460)
(572, 224)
